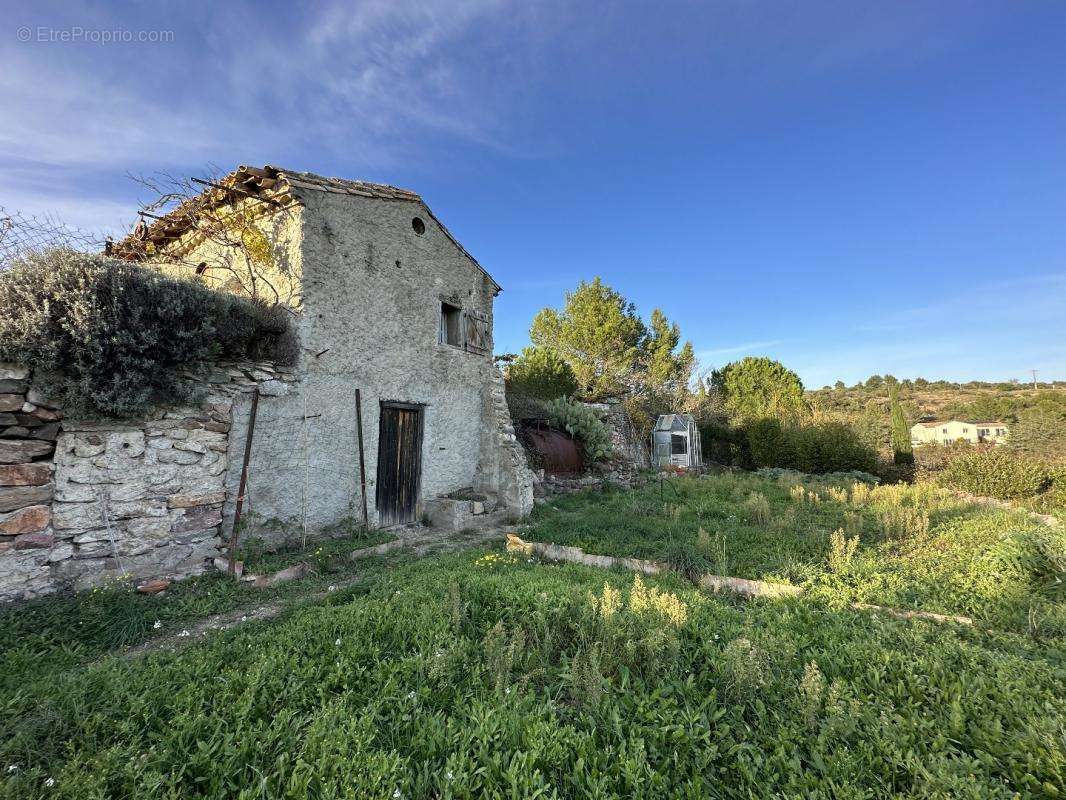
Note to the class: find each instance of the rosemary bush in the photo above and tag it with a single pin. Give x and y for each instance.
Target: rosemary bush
(109, 337)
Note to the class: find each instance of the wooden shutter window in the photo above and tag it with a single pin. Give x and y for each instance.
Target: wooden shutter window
(476, 328)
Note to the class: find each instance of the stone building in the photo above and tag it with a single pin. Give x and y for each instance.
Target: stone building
(383, 300)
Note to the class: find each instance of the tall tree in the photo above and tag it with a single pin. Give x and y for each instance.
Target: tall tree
(598, 333)
(542, 373)
(757, 388)
(667, 370)
(902, 452)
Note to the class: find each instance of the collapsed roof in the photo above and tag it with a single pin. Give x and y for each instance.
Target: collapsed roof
(274, 186)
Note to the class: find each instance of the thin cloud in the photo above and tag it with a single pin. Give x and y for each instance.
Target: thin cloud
(1027, 300)
(367, 84)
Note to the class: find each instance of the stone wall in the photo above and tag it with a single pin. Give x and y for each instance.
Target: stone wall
(85, 500)
(27, 441)
(626, 443)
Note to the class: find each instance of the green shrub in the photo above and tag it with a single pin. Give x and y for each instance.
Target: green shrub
(813, 447)
(541, 373)
(1053, 499)
(109, 337)
(997, 473)
(1038, 554)
(759, 387)
(724, 444)
(581, 422)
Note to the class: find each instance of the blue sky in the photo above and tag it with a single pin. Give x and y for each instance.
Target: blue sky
(850, 187)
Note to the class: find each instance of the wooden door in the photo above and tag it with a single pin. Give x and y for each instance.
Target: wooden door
(399, 463)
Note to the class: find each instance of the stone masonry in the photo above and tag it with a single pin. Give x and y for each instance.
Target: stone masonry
(84, 501)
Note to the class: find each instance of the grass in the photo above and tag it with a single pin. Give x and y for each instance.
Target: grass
(913, 547)
(482, 675)
(67, 630)
(327, 554)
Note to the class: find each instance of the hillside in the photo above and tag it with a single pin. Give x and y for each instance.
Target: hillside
(867, 404)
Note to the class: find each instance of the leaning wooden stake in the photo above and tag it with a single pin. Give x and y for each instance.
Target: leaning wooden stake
(362, 463)
(244, 483)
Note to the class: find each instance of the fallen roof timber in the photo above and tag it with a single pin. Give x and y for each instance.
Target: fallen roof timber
(709, 583)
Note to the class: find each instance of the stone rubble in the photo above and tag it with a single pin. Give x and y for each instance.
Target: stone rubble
(618, 473)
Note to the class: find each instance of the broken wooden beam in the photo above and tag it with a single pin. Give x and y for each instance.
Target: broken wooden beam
(708, 583)
(901, 614)
(747, 588)
(556, 552)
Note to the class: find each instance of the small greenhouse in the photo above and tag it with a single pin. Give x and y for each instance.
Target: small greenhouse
(675, 441)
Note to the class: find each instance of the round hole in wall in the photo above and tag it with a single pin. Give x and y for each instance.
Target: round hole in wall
(418, 225)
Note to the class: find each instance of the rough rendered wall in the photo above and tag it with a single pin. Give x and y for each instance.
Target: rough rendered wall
(371, 291)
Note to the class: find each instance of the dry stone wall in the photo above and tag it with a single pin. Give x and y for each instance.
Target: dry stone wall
(626, 443)
(27, 441)
(87, 500)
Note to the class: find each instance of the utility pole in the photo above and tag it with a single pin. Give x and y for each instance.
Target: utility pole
(1034, 377)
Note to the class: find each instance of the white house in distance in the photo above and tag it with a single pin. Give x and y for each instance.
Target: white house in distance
(953, 430)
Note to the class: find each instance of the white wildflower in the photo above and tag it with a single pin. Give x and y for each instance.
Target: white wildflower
(397, 795)
(50, 782)
(13, 768)
(410, 695)
(244, 619)
(331, 588)
(448, 775)
(183, 633)
(337, 643)
(157, 625)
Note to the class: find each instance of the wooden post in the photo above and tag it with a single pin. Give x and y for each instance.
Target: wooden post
(244, 483)
(362, 462)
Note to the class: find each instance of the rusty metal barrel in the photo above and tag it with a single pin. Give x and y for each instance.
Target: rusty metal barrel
(558, 453)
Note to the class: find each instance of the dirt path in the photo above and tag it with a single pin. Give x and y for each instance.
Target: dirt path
(418, 543)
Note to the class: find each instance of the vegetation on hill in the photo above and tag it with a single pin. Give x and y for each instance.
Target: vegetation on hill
(110, 337)
(755, 414)
(1036, 417)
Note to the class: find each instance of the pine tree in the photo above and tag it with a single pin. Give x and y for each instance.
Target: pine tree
(599, 333)
(756, 388)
